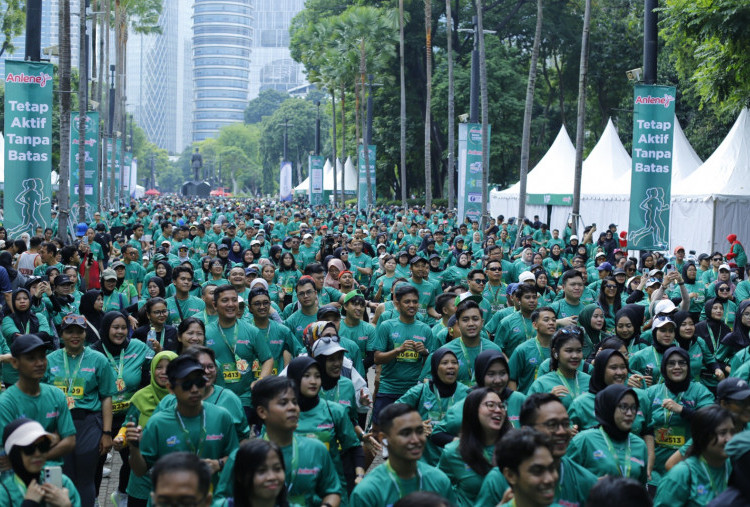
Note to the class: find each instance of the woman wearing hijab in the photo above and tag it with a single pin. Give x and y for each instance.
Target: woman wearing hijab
(142, 406)
(612, 448)
(673, 404)
(22, 321)
(335, 268)
(555, 264)
(468, 460)
(724, 296)
(648, 361)
(127, 358)
(610, 301)
(27, 445)
(695, 288)
(91, 307)
(703, 364)
(592, 320)
(713, 328)
(434, 398)
(739, 338)
(460, 271)
(235, 252)
(628, 322)
(325, 421)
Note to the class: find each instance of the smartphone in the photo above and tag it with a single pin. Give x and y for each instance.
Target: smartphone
(85, 240)
(648, 371)
(53, 475)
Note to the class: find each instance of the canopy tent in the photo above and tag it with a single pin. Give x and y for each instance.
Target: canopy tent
(351, 179)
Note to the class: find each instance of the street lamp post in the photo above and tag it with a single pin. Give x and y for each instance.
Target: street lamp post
(317, 128)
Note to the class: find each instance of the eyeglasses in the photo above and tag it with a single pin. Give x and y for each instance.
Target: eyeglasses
(494, 269)
(480, 281)
(716, 259)
(625, 408)
(610, 286)
(42, 446)
(160, 312)
(671, 364)
(553, 424)
(183, 501)
(209, 366)
(72, 319)
(329, 339)
(305, 294)
(723, 289)
(494, 405)
(199, 382)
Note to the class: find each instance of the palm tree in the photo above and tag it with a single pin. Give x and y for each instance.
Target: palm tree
(83, 89)
(402, 165)
(428, 105)
(485, 111)
(580, 122)
(451, 106)
(526, 134)
(64, 65)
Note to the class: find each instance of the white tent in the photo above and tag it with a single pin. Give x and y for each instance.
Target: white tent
(351, 178)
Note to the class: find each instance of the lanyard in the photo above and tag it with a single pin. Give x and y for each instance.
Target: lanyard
(573, 392)
(625, 472)
(114, 364)
(397, 481)
(724, 479)
(68, 376)
(668, 413)
(525, 329)
(657, 359)
(541, 356)
(440, 401)
(232, 348)
(186, 432)
(295, 461)
(469, 362)
(714, 343)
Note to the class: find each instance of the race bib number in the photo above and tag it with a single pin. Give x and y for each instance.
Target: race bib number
(669, 437)
(408, 356)
(76, 390)
(231, 375)
(120, 406)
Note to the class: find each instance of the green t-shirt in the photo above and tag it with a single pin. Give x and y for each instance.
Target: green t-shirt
(493, 488)
(525, 361)
(496, 296)
(135, 272)
(465, 481)
(298, 321)
(48, 408)
(404, 371)
(582, 413)
(360, 261)
(564, 309)
(237, 349)
(594, 450)
(362, 334)
(381, 487)
(313, 478)
(278, 338)
(9, 328)
(576, 387)
(87, 379)
(344, 395)
(451, 423)
(692, 482)
(513, 331)
(127, 368)
(180, 310)
(466, 357)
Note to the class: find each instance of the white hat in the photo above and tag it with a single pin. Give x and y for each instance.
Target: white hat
(662, 321)
(573, 237)
(653, 281)
(259, 281)
(308, 235)
(324, 346)
(725, 267)
(26, 433)
(664, 306)
(526, 276)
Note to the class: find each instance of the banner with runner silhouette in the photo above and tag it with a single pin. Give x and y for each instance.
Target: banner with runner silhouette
(91, 153)
(28, 146)
(651, 175)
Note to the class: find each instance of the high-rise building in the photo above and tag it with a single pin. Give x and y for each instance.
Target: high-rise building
(158, 92)
(271, 66)
(222, 43)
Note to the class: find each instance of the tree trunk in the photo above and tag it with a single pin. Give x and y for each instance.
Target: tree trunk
(357, 138)
(343, 144)
(63, 194)
(484, 113)
(526, 135)
(333, 145)
(428, 106)
(580, 123)
(451, 108)
(83, 90)
(365, 136)
(402, 165)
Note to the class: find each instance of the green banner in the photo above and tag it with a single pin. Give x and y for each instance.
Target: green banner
(28, 146)
(362, 198)
(315, 163)
(470, 170)
(651, 176)
(91, 177)
(549, 199)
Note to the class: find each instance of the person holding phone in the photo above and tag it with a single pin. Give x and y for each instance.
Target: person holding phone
(31, 483)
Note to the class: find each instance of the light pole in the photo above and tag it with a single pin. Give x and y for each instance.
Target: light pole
(474, 86)
(317, 127)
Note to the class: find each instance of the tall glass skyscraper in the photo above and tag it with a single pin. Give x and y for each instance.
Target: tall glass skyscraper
(222, 43)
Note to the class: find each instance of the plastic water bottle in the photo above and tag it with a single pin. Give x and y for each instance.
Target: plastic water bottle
(150, 341)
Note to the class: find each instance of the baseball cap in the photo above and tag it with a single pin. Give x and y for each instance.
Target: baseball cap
(678, 248)
(166, 242)
(416, 259)
(251, 271)
(618, 271)
(733, 388)
(182, 366)
(725, 267)
(109, 274)
(73, 319)
(604, 266)
(526, 276)
(223, 246)
(308, 235)
(464, 296)
(353, 294)
(326, 346)
(661, 322)
(600, 254)
(664, 306)
(118, 264)
(574, 237)
(62, 280)
(326, 310)
(259, 281)
(22, 432)
(81, 229)
(653, 281)
(26, 343)
(655, 272)
(703, 257)
(511, 288)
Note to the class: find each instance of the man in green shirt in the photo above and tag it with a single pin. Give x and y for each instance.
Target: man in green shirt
(134, 271)
(308, 307)
(403, 472)
(31, 398)
(494, 289)
(517, 327)
(238, 346)
(420, 271)
(361, 264)
(48, 253)
(281, 343)
(135, 241)
(182, 305)
(528, 357)
(568, 308)
(201, 428)
(208, 315)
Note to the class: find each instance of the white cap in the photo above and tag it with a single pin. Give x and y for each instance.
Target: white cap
(324, 346)
(725, 267)
(573, 237)
(308, 235)
(259, 281)
(526, 276)
(664, 306)
(25, 434)
(653, 281)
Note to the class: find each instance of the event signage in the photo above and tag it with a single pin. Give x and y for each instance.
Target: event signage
(28, 146)
(91, 170)
(315, 163)
(362, 198)
(549, 199)
(470, 170)
(285, 181)
(651, 174)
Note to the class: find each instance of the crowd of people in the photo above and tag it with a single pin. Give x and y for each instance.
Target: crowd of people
(258, 353)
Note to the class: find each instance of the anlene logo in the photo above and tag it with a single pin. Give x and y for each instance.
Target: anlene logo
(22, 78)
(649, 100)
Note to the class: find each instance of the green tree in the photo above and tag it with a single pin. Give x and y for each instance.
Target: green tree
(264, 105)
(12, 25)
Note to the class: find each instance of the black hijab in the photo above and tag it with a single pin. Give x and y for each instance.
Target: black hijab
(159, 283)
(105, 342)
(86, 307)
(6, 261)
(711, 327)
(675, 387)
(483, 362)
(22, 319)
(295, 371)
(635, 314)
(679, 318)
(716, 289)
(605, 406)
(596, 383)
(740, 336)
(443, 389)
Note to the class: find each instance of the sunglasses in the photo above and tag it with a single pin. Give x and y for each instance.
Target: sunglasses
(78, 320)
(43, 446)
(199, 382)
